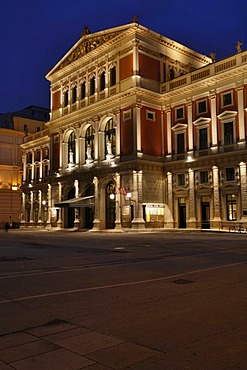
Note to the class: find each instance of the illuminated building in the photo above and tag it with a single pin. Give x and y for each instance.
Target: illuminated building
(13, 128)
(144, 133)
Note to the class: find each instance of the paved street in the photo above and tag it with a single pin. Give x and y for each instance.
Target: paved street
(97, 301)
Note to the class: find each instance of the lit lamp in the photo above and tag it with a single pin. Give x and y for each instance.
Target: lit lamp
(128, 195)
(112, 196)
(44, 202)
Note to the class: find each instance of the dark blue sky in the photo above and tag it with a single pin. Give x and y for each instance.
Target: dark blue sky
(35, 34)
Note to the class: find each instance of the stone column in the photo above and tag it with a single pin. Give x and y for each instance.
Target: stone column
(31, 203)
(241, 113)
(169, 214)
(118, 200)
(190, 126)
(214, 122)
(40, 206)
(41, 164)
(61, 150)
(59, 222)
(138, 221)
(136, 72)
(33, 160)
(23, 208)
(49, 204)
(24, 162)
(137, 130)
(192, 209)
(96, 221)
(216, 199)
(169, 132)
(118, 146)
(243, 190)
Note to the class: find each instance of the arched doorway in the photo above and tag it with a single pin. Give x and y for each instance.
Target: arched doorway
(110, 206)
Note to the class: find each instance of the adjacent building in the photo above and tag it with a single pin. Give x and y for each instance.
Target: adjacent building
(13, 128)
(143, 133)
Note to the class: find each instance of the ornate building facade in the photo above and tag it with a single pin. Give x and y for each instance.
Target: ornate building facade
(14, 127)
(143, 133)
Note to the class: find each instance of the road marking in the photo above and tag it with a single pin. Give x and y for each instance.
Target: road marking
(118, 285)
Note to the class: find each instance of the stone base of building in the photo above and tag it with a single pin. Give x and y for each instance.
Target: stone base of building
(138, 224)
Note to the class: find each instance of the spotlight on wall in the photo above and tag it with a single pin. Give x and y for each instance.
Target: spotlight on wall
(112, 196)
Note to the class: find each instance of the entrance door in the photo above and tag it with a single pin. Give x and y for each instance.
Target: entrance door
(205, 215)
(110, 206)
(70, 211)
(182, 216)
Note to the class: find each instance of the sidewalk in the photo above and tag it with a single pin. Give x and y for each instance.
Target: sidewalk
(66, 346)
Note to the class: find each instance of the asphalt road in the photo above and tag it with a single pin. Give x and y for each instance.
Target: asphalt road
(171, 300)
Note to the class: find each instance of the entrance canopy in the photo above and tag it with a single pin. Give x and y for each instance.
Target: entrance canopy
(82, 202)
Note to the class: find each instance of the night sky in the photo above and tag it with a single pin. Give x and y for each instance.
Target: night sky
(35, 34)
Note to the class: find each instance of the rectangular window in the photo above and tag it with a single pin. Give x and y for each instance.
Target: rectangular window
(231, 205)
(203, 138)
(25, 128)
(226, 99)
(230, 174)
(37, 128)
(150, 116)
(228, 133)
(201, 106)
(83, 90)
(203, 177)
(127, 115)
(181, 179)
(179, 113)
(180, 143)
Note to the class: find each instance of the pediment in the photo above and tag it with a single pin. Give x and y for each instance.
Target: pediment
(202, 121)
(179, 127)
(87, 43)
(228, 114)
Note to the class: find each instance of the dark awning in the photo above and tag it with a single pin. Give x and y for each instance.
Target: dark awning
(77, 202)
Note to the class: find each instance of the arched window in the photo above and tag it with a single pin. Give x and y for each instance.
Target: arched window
(74, 94)
(65, 98)
(83, 90)
(89, 143)
(113, 76)
(92, 86)
(102, 81)
(71, 148)
(110, 137)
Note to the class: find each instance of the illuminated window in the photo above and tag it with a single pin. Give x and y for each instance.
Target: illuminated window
(89, 142)
(71, 146)
(231, 205)
(110, 136)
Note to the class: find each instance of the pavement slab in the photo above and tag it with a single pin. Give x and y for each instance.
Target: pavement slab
(22, 351)
(15, 339)
(89, 342)
(54, 360)
(122, 355)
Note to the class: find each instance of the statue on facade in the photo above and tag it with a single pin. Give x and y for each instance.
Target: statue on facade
(212, 56)
(109, 154)
(135, 19)
(89, 152)
(85, 31)
(71, 157)
(238, 46)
